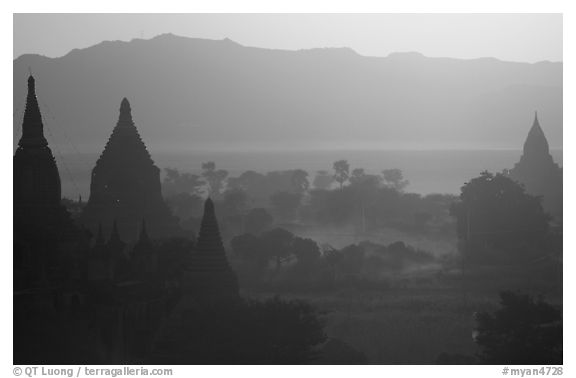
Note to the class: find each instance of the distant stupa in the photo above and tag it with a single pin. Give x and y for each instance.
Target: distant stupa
(208, 276)
(36, 178)
(126, 187)
(538, 172)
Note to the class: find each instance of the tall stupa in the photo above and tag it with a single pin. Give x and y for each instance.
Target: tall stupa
(126, 186)
(36, 178)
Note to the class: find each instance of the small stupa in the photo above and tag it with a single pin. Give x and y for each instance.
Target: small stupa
(538, 172)
(208, 276)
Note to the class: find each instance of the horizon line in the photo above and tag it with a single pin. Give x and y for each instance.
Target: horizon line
(229, 40)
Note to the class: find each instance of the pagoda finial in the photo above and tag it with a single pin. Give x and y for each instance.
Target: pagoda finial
(209, 234)
(536, 143)
(32, 127)
(125, 113)
(31, 84)
(208, 205)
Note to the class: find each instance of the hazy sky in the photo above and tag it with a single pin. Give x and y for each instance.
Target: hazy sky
(513, 37)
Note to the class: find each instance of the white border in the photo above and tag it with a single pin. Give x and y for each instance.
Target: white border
(303, 6)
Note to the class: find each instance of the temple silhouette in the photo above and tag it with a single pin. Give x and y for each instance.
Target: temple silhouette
(538, 172)
(208, 276)
(98, 289)
(120, 283)
(41, 223)
(125, 186)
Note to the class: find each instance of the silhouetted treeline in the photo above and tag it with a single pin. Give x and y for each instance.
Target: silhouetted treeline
(365, 200)
(497, 221)
(523, 331)
(278, 258)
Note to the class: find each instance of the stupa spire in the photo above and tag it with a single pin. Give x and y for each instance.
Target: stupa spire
(209, 242)
(536, 143)
(32, 126)
(33, 159)
(125, 118)
(125, 184)
(124, 140)
(538, 172)
(208, 274)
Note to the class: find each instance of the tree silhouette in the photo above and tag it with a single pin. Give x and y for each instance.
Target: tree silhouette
(286, 203)
(214, 178)
(175, 183)
(395, 179)
(323, 180)
(257, 220)
(523, 331)
(357, 175)
(185, 205)
(496, 212)
(252, 252)
(234, 201)
(306, 251)
(278, 243)
(300, 181)
(341, 172)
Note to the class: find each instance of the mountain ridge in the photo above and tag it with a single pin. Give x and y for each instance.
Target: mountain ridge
(218, 91)
(228, 40)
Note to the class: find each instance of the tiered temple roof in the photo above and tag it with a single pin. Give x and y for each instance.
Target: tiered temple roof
(536, 150)
(36, 179)
(126, 185)
(538, 172)
(208, 275)
(40, 221)
(210, 254)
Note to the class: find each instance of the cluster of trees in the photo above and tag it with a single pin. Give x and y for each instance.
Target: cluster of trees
(523, 331)
(276, 247)
(369, 204)
(367, 261)
(371, 201)
(392, 177)
(368, 200)
(211, 181)
(498, 221)
(280, 256)
(281, 192)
